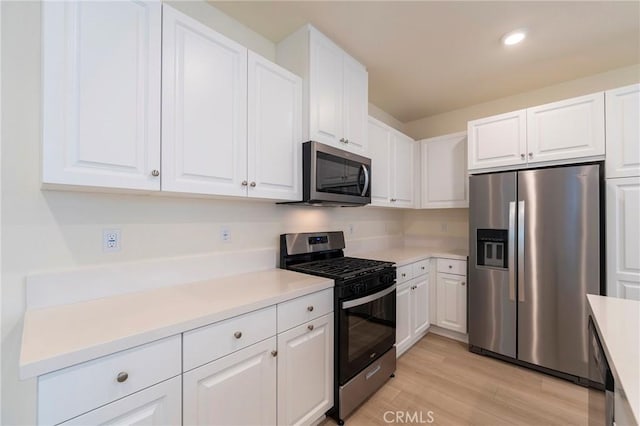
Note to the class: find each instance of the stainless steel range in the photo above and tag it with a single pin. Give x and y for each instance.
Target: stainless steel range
(365, 313)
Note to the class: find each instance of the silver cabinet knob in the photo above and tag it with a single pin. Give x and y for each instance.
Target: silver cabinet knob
(462, 283)
(450, 266)
(346, 141)
(403, 275)
(237, 334)
(422, 268)
(155, 173)
(343, 140)
(245, 183)
(310, 308)
(252, 184)
(310, 327)
(522, 156)
(531, 155)
(122, 377)
(393, 200)
(274, 353)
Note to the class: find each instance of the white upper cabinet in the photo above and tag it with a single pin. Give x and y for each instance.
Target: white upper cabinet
(204, 109)
(402, 154)
(335, 99)
(569, 129)
(231, 118)
(101, 94)
(623, 132)
(380, 153)
(498, 141)
(392, 159)
(274, 132)
(560, 132)
(444, 172)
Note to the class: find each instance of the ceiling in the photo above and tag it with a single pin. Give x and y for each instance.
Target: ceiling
(426, 58)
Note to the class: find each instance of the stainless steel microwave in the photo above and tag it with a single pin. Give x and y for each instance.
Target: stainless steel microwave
(334, 177)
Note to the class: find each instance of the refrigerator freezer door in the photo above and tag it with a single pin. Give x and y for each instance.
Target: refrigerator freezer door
(559, 253)
(492, 305)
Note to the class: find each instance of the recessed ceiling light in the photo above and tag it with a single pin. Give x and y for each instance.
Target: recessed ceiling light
(514, 37)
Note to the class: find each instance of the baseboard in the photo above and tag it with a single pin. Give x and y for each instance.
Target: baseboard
(449, 333)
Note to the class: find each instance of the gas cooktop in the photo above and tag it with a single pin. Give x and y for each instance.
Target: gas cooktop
(341, 268)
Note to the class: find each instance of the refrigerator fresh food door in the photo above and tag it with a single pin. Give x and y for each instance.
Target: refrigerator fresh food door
(492, 292)
(558, 264)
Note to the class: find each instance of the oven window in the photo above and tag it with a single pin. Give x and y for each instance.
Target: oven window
(338, 175)
(366, 332)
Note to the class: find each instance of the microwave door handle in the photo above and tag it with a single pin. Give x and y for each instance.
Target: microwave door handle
(366, 180)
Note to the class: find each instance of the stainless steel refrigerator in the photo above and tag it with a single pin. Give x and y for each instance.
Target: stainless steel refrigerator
(535, 253)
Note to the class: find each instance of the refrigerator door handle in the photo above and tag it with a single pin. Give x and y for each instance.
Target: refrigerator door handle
(511, 242)
(521, 237)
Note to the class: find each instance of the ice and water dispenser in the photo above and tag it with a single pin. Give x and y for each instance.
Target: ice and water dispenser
(492, 248)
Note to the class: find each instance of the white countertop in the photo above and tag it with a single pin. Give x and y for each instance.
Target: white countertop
(618, 325)
(61, 336)
(405, 255)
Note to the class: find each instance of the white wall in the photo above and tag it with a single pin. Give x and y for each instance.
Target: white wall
(43, 230)
(456, 121)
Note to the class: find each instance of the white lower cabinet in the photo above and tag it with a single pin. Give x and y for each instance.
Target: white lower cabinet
(238, 389)
(452, 302)
(305, 372)
(158, 405)
(412, 305)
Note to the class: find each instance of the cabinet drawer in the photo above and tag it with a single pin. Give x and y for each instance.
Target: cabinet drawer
(67, 393)
(450, 266)
(302, 309)
(420, 268)
(214, 341)
(404, 273)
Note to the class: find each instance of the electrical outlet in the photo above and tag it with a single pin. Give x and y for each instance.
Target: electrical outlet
(111, 240)
(225, 234)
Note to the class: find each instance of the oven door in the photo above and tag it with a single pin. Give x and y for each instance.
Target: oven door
(366, 329)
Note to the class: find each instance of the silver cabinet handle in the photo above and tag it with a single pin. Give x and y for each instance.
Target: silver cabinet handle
(522, 156)
(274, 353)
(252, 184)
(122, 377)
(531, 155)
(237, 334)
(310, 327)
(310, 308)
(155, 173)
(245, 183)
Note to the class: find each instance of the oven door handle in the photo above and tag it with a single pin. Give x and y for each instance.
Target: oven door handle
(366, 299)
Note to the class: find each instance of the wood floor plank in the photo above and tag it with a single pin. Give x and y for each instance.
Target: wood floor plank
(440, 379)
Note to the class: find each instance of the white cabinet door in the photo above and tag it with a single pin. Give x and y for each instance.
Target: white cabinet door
(623, 132)
(274, 131)
(444, 172)
(305, 372)
(380, 154)
(420, 308)
(402, 170)
(498, 141)
(204, 109)
(452, 302)
(355, 106)
(623, 238)
(569, 129)
(101, 94)
(239, 389)
(403, 318)
(325, 90)
(157, 405)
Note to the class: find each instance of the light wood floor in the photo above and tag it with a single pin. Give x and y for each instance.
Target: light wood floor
(461, 388)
